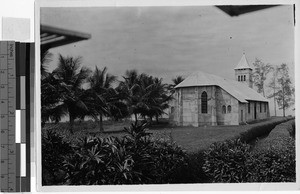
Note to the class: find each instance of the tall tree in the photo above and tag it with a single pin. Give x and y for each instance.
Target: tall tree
(104, 96)
(274, 87)
(130, 88)
(177, 80)
(71, 77)
(260, 73)
(46, 58)
(285, 93)
(145, 95)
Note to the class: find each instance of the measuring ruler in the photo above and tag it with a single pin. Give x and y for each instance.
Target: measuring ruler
(7, 111)
(16, 60)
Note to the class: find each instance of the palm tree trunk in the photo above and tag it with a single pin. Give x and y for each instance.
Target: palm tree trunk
(101, 124)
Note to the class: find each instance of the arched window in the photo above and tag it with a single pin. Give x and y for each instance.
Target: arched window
(244, 77)
(228, 109)
(204, 102)
(224, 109)
(239, 78)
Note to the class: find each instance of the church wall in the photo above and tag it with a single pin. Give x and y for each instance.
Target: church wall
(209, 118)
(189, 111)
(223, 98)
(260, 114)
(176, 109)
(186, 108)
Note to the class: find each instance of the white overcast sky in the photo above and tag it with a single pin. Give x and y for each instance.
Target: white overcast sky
(170, 41)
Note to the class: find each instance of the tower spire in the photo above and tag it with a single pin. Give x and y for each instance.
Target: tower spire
(243, 64)
(243, 71)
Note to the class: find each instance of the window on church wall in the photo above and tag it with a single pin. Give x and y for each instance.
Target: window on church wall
(244, 78)
(228, 109)
(224, 109)
(239, 78)
(204, 102)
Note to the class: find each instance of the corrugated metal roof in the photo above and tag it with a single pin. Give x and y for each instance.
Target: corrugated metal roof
(239, 90)
(243, 64)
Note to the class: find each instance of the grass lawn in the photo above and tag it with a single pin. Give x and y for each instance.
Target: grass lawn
(189, 138)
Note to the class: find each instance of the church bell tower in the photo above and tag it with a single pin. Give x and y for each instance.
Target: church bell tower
(243, 72)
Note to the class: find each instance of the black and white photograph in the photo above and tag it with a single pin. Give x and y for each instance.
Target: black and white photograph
(136, 95)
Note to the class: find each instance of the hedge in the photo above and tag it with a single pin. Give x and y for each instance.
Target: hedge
(259, 130)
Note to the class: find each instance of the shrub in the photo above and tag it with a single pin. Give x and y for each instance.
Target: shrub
(225, 162)
(233, 161)
(54, 149)
(133, 159)
(291, 129)
(276, 164)
(259, 130)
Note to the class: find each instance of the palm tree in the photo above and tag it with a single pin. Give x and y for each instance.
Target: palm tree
(130, 89)
(103, 95)
(145, 95)
(177, 80)
(46, 58)
(71, 78)
(154, 96)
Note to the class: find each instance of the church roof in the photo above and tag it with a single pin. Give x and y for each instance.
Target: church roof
(243, 64)
(238, 90)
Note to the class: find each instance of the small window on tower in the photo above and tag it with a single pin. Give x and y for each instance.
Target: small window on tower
(244, 77)
(238, 78)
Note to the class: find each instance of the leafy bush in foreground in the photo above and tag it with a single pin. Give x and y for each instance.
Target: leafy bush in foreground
(54, 149)
(226, 161)
(133, 159)
(233, 161)
(277, 164)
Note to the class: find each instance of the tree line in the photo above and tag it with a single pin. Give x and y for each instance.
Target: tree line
(282, 89)
(77, 92)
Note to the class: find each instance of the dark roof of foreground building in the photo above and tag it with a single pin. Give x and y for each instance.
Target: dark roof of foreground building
(236, 10)
(238, 90)
(53, 37)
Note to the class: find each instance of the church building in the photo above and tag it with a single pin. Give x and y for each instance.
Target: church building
(206, 99)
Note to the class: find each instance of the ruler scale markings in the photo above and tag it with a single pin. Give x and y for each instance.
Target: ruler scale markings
(11, 120)
(3, 111)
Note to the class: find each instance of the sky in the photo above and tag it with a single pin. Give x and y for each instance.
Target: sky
(169, 41)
